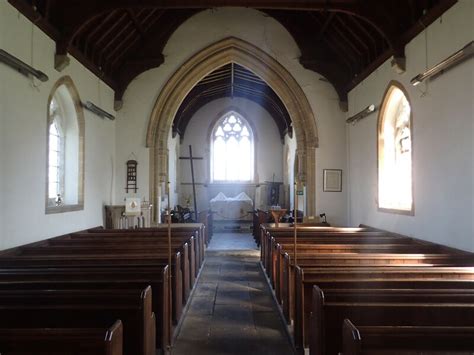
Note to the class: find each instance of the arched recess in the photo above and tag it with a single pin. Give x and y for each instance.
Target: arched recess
(273, 73)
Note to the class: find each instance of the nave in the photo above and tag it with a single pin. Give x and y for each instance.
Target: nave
(232, 310)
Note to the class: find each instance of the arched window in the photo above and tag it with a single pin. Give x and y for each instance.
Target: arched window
(65, 149)
(395, 185)
(232, 149)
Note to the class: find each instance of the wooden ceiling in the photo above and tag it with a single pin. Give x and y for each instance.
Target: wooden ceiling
(343, 40)
(232, 80)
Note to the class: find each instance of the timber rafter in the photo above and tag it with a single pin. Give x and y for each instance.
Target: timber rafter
(343, 40)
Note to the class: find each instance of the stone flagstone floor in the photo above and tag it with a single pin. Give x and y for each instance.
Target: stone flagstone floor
(232, 310)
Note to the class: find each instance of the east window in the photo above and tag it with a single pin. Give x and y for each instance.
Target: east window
(232, 149)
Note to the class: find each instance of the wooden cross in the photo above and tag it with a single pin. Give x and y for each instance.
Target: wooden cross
(191, 158)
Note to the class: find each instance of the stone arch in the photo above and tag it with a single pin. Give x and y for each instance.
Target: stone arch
(273, 73)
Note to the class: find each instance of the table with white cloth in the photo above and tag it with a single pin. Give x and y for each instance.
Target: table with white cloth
(232, 208)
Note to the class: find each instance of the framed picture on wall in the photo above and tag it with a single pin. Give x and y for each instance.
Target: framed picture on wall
(332, 180)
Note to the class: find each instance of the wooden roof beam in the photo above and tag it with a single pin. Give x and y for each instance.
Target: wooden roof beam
(88, 38)
(353, 34)
(325, 26)
(138, 25)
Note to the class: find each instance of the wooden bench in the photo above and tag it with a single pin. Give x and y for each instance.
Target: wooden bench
(268, 231)
(306, 278)
(412, 310)
(158, 237)
(110, 259)
(282, 257)
(62, 341)
(141, 238)
(406, 340)
(135, 240)
(285, 274)
(103, 261)
(100, 279)
(282, 276)
(353, 238)
(97, 248)
(195, 229)
(259, 217)
(84, 308)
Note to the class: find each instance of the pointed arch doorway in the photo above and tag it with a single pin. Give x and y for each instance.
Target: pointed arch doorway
(233, 50)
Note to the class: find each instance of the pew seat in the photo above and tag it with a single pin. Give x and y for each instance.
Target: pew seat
(62, 341)
(406, 340)
(84, 308)
(418, 309)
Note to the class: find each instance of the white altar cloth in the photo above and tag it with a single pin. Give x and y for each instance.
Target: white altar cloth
(232, 208)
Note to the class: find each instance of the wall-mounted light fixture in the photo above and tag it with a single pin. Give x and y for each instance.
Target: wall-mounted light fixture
(461, 55)
(21, 66)
(362, 114)
(97, 110)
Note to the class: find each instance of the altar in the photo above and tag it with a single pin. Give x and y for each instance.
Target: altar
(236, 208)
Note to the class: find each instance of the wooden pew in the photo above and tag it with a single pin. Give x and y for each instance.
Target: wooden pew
(416, 309)
(113, 250)
(205, 217)
(104, 261)
(327, 238)
(134, 245)
(196, 229)
(62, 341)
(100, 279)
(79, 247)
(406, 340)
(306, 278)
(282, 271)
(269, 230)
(259, 217)
(155, 238)
(308, 251)
(158, 238)
(143, 236)
(84, 308)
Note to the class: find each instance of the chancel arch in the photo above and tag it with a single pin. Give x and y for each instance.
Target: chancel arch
(233, 50)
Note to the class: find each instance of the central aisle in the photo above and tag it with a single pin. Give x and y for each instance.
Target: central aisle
(232, 310)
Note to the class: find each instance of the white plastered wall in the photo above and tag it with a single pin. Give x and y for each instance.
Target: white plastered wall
(202, 30)
(443, 135)
(23, 110)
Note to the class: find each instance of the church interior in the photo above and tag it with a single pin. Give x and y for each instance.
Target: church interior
(228, 177)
